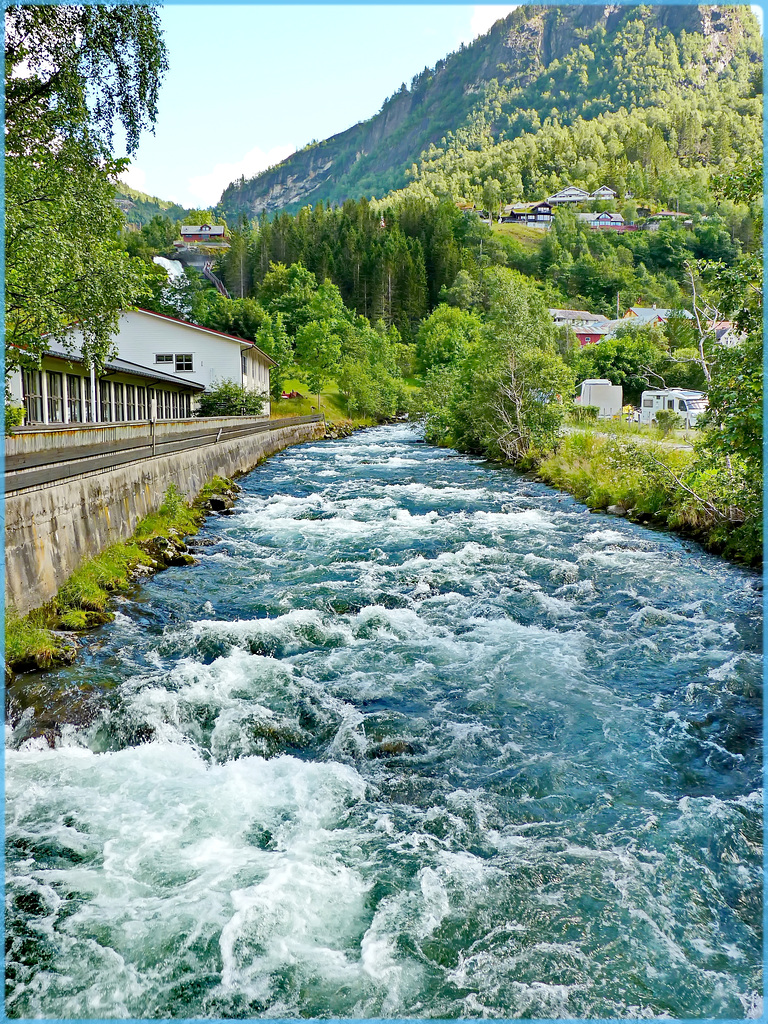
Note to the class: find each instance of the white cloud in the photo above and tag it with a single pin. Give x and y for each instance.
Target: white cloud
(486, 15)
(134, 177)
(206, 189)
(757, 10)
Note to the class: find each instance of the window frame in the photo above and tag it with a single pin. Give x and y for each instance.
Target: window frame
(74, 401)
(55, 396)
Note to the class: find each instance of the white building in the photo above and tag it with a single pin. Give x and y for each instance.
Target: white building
(603, 193)
(688, 404)
(569, 194)
(64, 390)
(192, 352)
(157, 356)
(607, 397)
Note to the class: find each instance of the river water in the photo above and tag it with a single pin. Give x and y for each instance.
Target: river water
(417, 737)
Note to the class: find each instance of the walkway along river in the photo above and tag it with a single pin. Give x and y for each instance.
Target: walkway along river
(417, 737)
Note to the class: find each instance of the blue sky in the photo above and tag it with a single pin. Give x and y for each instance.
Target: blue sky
(250, 84)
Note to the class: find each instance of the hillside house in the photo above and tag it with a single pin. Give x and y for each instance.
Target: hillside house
(653, 314)
(726, 333)
(604, 220)
(590, 334)
(655, 220)
(603, 193)
(539, 214)
(203, 232)
(63, 390)
(569, 194)
(575, 317)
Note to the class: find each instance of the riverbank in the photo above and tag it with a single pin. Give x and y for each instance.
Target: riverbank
(654, 483)
(48, 636)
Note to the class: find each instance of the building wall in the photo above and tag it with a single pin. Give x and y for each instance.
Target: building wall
(143, 336)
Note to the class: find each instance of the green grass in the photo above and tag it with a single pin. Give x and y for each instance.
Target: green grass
(217, 485)
(605, 471)
(29, 640)
(332, 403)
(639, 478)
(620, 428)
(89, 587)
(530, 238)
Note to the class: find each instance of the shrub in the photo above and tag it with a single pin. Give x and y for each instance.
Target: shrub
(229, 399)
(14, 417)
(584, 413)
(667, 420)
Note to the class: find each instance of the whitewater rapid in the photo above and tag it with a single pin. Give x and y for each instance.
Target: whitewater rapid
(416, 737)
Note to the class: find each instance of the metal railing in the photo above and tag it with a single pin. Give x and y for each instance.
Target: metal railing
(35, 469)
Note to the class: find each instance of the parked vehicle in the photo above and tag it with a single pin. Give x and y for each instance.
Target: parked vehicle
(688, 404)
(607, 397)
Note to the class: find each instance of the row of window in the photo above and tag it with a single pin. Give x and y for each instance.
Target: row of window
(182, 361)
(116, 402)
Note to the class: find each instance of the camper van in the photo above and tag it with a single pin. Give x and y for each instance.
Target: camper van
(606, 396)
(688, 404)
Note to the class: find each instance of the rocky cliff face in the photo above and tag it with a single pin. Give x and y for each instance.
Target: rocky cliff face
(372, 157)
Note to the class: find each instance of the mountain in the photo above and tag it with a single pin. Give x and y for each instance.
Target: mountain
(139, 208)
(539, 65)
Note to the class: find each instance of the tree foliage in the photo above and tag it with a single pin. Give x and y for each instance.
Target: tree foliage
(226, 398)
(71, 73)
(502, 392)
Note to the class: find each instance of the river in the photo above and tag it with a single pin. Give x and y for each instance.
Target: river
(417, 737)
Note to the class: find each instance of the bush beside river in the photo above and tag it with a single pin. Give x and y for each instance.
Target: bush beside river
(659, 484)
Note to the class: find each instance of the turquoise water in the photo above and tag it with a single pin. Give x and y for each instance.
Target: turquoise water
(417, 737)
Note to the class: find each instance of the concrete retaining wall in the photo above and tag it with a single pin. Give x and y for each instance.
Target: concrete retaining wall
(52, 530)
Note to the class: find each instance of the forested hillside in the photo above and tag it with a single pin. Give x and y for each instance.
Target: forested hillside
(139, 208)
(618, 91)
(660, 104)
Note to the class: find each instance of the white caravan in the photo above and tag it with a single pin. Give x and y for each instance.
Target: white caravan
(688, 404)
(606, 396)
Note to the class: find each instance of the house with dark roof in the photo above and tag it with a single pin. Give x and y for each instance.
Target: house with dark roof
(605, 219)
(539, 214)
